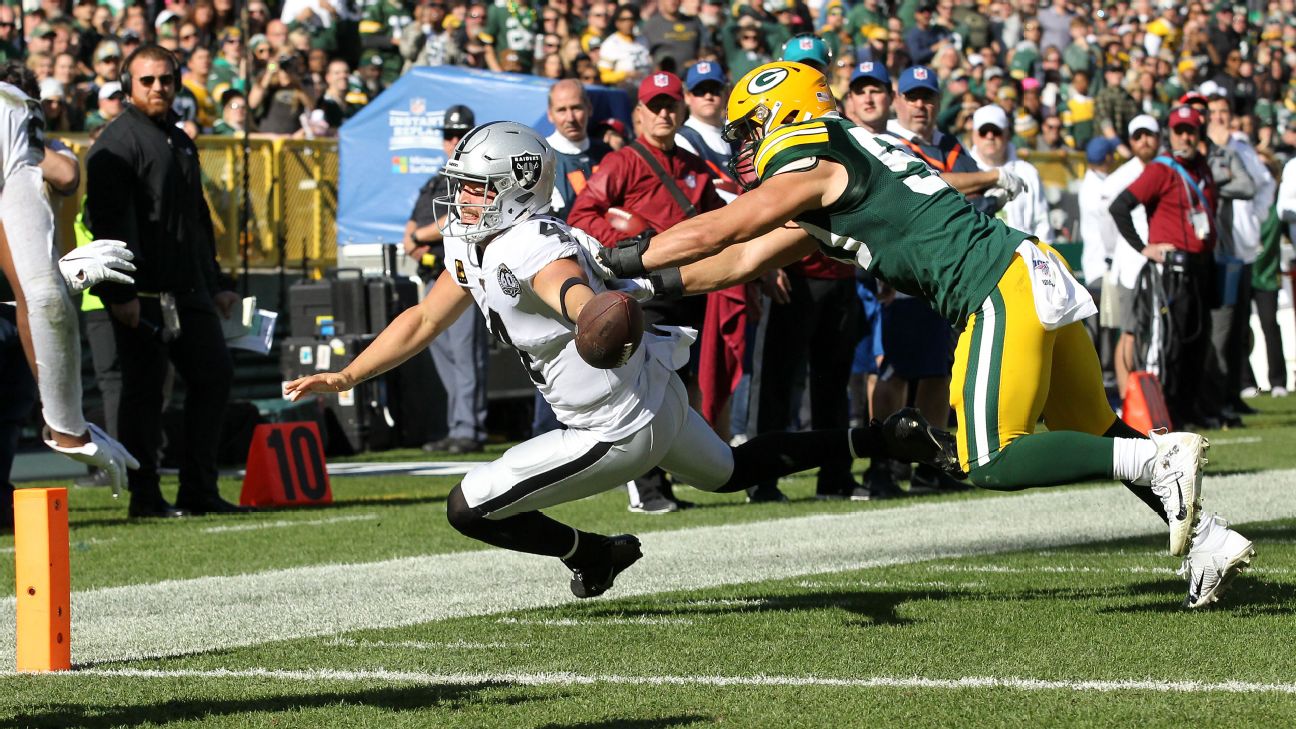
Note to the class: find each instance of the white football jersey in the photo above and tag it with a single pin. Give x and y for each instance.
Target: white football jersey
(611, 403)
(22, 131)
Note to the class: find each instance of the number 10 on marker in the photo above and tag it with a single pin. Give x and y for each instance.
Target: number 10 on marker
(286, 467)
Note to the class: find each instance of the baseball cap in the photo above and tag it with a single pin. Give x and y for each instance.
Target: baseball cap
(1185, 116)
(374, 60)
(130, 36)
(459, 118)
(993, 72)
(1192, 97)
(807, 48)
(1026, 126)
(614, 124)
(990, 115)
(701, 72)
(662, 83)
(1114, 68)
(42, 29)
(1210, 90)
(870, 70)
(51, 88)
(1030, 83)
(230, 33)
(166, 16)
(1144, 122)
(1099, 149)
(917, 77)
(107, 90)
(107, 49)
(1186, 65)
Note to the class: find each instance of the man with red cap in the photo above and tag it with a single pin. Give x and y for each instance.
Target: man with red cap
(1180, 196)
(662, 185)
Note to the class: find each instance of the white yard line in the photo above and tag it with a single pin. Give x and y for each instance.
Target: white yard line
(582, 622)
(1236, 441)
(420, 645)
(177, 617)
(574, 679)
(281, 523)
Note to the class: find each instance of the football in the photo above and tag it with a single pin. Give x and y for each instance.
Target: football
(625, 221)
(609, 329)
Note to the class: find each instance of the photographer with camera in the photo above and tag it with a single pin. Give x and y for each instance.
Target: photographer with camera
(278, 99)
(1180, 196)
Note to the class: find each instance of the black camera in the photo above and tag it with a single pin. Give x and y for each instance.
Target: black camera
(1177, 261)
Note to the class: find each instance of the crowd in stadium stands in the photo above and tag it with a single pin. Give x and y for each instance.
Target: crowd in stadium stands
(1106, 79)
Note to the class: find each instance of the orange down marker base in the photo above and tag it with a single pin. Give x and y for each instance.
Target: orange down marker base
(44, 580)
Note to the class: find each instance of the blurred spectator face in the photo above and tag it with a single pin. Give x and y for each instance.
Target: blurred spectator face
(153, 86)
(598, 17)
(707, 101)
(868, 103)
(1051, 131)
(188, 37)
(41, 43)
(336, 77)
(41, 64)
(102, 19)
(299, 40)
(569, 111)
(137, 23)
(1031, 31)
(1183, 140)
(1232, 62)
(1080, 82)
(277, 34)
(258, 16)
(434, 15)
(317, 61)
(625, 20)
(65, 69)
(549, 20)
(477, 17)
(916, 111)
(749, 39)
(660, 118)
(111, 106)
(551, 44)
(834, 17)
(1220, 114)
(235, 112)
(991, 143)
(108, 67)
(200, 62)
(588, 75)
(552, 66)
(232, 49)
(204, 14)
(7, 29)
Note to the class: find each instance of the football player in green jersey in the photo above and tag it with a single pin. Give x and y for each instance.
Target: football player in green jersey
(815, 180)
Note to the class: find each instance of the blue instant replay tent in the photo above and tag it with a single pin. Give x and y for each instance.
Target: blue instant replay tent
(388, 150)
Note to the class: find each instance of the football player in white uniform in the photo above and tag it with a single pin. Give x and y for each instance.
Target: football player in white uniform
(530, 274)
(46, 318)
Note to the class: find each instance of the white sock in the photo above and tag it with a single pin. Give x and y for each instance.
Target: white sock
(1131, 458)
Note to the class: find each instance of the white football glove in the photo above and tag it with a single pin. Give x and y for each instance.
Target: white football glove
(101, 452)
(101, 260)
(1011, 184)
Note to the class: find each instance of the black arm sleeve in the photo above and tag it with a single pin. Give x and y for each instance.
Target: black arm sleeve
(1121, 208)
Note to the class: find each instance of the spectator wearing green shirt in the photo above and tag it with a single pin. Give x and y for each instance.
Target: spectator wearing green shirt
(862, 19)
(510, 27)
(233, 116)
(1114, 107)
(381, 23)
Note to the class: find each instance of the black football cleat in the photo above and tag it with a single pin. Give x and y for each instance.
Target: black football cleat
(595, 578)
(910, 439)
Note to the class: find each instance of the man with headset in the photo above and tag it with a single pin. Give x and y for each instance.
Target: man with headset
(143, 187)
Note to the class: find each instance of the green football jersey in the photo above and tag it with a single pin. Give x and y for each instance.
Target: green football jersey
(897, 217)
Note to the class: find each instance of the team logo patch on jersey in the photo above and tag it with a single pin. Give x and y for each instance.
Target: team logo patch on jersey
(508, 283)
(765, 81)
(460, 276)
(526, 169)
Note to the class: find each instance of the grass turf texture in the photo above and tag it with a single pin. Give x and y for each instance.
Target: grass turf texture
(1104, 611)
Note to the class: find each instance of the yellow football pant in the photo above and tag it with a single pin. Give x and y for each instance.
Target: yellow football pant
(1009, 370)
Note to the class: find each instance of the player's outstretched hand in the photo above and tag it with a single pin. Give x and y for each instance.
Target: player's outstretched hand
(323, 382)
(95, 262)
(100, 451)
(626, 259)
(1011, 184)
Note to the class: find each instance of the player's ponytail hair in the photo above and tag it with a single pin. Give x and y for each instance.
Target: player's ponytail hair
(17, 74)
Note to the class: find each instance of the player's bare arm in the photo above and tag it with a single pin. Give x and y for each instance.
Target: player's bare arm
(971, 183)
(566, 299)
(746, 261)
(62, 172)
(779, 199)
(408, 334)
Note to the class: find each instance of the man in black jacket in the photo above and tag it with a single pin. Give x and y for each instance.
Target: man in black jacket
(143, 187)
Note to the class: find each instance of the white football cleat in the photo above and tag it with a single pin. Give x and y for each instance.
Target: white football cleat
(1218, 555)
(1176, 476)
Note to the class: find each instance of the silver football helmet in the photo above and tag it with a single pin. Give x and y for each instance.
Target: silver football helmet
(511, 160)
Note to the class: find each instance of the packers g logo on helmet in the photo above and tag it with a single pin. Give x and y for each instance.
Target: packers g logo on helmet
(767, 80)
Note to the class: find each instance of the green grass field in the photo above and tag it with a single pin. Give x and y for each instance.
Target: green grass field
(1055, 607)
